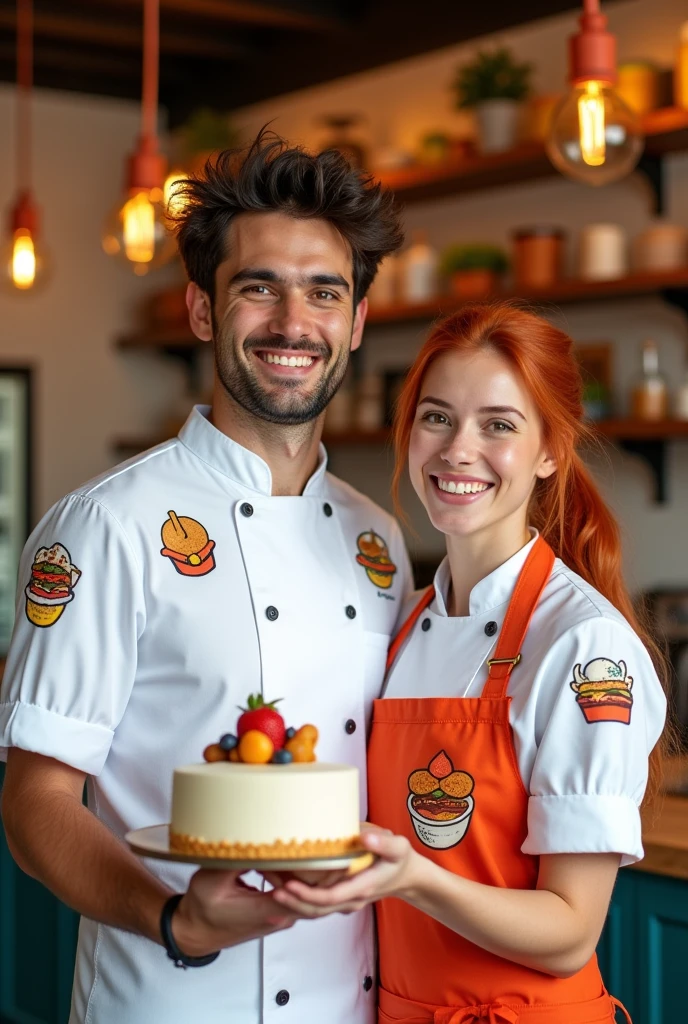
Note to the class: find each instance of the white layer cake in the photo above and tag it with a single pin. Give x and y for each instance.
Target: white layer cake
(230, 809)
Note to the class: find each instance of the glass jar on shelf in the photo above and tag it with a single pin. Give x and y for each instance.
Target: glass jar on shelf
(650, 396)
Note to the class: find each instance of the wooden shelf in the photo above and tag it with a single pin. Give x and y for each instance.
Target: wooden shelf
(637, 430)
(666, 131)
(179, 339)
(564, 292)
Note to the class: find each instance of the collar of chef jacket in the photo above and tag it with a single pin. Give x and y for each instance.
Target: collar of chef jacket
(236, 462)
(490, 592)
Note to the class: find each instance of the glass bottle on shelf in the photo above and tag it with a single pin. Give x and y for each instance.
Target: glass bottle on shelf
(418, 273)
(650, 397)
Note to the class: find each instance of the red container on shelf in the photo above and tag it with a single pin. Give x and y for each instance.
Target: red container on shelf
(538, 256)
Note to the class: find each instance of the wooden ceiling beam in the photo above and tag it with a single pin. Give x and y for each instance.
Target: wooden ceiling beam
(77, 60)
(82, 30)
(242, 12)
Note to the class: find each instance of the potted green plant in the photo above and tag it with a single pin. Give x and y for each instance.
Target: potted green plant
(494, 85)
(473, 271)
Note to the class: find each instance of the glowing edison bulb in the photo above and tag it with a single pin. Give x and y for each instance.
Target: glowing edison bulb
(24, 263)
(138, 228)
(591, 125)
(136, 231)
(594, 137)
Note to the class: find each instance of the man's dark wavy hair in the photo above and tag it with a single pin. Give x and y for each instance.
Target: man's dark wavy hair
(271, 176)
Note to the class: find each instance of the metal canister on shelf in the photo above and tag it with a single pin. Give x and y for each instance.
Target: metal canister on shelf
(538, 256)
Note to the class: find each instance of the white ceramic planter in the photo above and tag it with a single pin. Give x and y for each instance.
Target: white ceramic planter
(497, 124)
(440, 835)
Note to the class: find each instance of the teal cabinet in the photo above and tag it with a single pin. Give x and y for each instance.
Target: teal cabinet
(37, 943)
(643, 951)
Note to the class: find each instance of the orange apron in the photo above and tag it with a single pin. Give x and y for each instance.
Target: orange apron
(443, 772)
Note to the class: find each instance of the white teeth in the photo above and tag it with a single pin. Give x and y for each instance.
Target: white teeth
(471, 487)
(287, 360)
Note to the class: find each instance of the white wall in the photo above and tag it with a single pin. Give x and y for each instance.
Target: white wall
(86, 392)
(404, 100)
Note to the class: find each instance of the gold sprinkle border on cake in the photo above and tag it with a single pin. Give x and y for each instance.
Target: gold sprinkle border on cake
(279, 850)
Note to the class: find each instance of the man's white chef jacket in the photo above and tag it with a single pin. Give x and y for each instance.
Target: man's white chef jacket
(139, 660)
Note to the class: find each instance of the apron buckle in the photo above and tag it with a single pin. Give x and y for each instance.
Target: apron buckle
(504, 661)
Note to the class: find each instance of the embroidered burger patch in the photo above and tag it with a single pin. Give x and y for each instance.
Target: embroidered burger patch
(373, 555)
(187, 545)
(51, 587)
(440, 803)
(603, 691)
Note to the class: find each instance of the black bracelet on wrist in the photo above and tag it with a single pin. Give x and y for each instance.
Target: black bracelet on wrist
(175, 954)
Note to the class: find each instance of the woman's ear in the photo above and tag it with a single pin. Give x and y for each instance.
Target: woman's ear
(546, 467)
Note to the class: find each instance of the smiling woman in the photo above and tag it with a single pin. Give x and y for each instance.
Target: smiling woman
(505, 797)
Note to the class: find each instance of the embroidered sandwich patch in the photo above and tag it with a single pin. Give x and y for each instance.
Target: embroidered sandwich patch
(373, 555)
(51, 587)
(187, 545)
(440, 803)
(603, 691)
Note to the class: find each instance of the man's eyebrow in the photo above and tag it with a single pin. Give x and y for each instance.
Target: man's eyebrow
(270, 277)
(255, 274)
(335, 280)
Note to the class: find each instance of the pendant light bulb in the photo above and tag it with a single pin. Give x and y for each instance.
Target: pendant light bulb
(594, 137)
(23, 257)
(136, 230)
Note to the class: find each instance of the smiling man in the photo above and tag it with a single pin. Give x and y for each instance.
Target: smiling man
(221, 563)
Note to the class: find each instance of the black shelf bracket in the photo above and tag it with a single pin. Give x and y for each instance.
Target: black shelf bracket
(651, 167)
(653, 452)
(676, 297)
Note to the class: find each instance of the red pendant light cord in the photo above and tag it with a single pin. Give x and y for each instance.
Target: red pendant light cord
(24, 84)
(24, 214)
(147, 165)
(151, 52)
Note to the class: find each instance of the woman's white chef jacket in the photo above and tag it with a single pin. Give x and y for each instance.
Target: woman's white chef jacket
(146, 662)
(585, 778)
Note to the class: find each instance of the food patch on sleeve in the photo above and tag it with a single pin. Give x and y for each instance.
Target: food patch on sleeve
(51, 587)
(603, 691)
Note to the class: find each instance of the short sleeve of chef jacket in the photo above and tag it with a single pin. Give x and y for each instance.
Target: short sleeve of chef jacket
(72, 660)
(593, 742)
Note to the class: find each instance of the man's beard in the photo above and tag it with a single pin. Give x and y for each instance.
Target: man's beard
(283, 404)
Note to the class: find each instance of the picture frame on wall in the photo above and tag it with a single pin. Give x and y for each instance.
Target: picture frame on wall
(16, 473)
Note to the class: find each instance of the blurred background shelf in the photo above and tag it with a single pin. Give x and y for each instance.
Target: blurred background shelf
(666, 131)
(670, 284)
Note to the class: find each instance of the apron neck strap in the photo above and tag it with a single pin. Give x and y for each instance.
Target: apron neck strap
(426, 598)
(531, 582)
